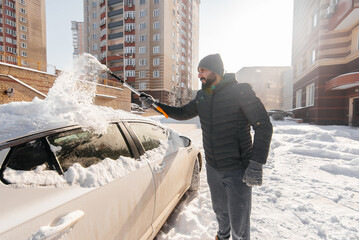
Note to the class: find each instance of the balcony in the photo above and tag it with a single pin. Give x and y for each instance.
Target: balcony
(112, 2)
(115, 47)
(115, 24)
(115, 35)
(116, 12)
(345, 14)
(343, 81)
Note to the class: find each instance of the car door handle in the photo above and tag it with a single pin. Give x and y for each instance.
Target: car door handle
(60, 227)
(159, 167)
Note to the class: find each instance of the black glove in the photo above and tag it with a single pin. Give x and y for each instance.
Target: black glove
(254, 174)
(147, 100)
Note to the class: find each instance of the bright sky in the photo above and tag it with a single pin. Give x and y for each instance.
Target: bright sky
(245, 32)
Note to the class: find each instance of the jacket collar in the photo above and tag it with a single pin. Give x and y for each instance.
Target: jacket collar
(228, 78)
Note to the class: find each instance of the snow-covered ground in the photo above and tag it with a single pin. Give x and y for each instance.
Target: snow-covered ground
(311, 179)
(310, 188)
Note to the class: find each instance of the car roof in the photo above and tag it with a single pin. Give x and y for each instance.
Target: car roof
(35, 134)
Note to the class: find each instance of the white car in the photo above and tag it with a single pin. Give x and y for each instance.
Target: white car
(70, 183)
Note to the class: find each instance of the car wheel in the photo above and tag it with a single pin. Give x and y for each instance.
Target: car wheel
(196, 179)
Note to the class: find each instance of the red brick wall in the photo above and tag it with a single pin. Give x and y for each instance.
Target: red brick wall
(42, 82)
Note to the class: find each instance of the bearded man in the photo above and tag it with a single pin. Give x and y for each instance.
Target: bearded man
(227, 110)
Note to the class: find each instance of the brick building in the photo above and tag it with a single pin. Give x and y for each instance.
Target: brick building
(325, 59)
(152, 43)
(23, 33)
(24, 84)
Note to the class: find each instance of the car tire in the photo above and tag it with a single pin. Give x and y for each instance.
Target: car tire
(196, 178)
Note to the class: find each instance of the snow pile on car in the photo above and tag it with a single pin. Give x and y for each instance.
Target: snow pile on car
(69, 102)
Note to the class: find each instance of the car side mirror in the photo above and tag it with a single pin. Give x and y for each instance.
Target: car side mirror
(186, 141)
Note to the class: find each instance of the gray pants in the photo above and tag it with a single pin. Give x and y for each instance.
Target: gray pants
(231, 200)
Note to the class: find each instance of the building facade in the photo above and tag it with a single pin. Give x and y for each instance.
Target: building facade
(325, 59)
(271, 84)
(23, 33)
(153, 44)
(78, 38)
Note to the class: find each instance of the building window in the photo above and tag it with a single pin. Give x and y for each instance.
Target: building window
(22, 10)
(156, 49)
(130, 61)
(22, 19)
(142, 37)
(142, 1)
(23, 28)
(310, 95)
(142, 13)
(142, 62)
(142, 50)
(156, 1)
(94, 47)
(142, 25)
(156, 12)
(94, 25)
(23, 45)
(94, 36)
(156, 37)
(313, 57)
(130, 73)
(298, 102)
(142, 85)
(129, 26)
(94, 4)
(315, 20)
(156, 74)
(156, 61)
(130, 49)
(23, 54)
(142, 74)
(156, 25)
(129, 38)
(23, 36)
(94, 15)
(22, 2)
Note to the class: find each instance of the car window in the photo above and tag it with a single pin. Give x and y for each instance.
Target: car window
(28, 156)
(149, 134)
(85, 148)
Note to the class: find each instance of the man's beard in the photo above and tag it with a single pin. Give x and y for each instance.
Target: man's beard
(210, 79)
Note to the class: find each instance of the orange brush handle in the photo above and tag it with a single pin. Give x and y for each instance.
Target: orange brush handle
(161, 110)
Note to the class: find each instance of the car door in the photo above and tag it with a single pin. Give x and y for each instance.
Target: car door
(170, 168)
(106, 202)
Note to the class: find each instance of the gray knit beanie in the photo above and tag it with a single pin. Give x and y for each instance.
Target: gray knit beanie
(213, 63)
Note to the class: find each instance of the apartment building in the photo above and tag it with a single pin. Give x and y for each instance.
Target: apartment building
(273, 85)
(325, 59)
(23, 33)
(78, 38)
(153, 44)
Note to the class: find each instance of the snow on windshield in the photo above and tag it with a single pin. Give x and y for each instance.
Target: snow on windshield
(70, 101)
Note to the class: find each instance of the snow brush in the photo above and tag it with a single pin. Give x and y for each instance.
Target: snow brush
(135, 91)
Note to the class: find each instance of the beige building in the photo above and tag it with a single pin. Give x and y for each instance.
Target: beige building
(23, 33)
(325, 59)
(273, 85)
(78, 38)
(153, 44)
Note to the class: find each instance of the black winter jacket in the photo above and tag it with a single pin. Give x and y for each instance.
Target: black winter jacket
(226, 116)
